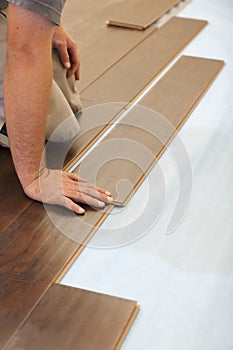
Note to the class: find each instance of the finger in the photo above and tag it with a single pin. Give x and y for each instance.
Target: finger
(95, 199)
(64, 55)
(79, 179)
(91, 191)
(69, 204)
(77, 74)
(97, 188)
(80, 197)
(75, 62)
(75, 177)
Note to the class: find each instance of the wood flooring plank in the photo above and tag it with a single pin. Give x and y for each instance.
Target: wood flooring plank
(128, 77)
(133, 146)
(70, 318)
(171, 13)
(32, 253)
(100, 46)
(134, 71)
(140, 14)
(34, 250)
(12, 198)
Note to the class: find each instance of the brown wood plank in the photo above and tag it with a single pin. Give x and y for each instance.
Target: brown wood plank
(128, 77)
(33, 252)
(140, 14)
(12, 198)
(70, 318)
(120, 156)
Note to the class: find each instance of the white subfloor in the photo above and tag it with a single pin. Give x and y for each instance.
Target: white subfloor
(182, 280)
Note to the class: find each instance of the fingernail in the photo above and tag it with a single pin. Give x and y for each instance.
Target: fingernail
(108, 193)
(109, 199)
(81, 211)
(67, 65)
(101, 204)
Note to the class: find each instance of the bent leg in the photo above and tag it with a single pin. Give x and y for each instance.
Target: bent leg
(67, 86)
(65, 101)
(61, 124)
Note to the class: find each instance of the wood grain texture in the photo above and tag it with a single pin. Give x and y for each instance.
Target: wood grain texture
(122, 160)
(140, 14)
(32, 253)
(127, 78)
(34, 250)
(69, 318)
(12, 198)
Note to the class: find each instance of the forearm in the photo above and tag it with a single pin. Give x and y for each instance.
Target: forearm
(26, 107)
(27, 87)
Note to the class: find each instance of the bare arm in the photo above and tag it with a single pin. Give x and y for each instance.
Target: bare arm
(27, 85)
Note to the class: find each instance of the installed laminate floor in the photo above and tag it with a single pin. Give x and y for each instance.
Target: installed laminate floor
(69, 318)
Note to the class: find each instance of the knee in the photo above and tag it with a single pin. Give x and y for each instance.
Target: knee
(67, 130)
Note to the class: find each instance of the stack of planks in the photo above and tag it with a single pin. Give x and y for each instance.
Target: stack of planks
(118, 64)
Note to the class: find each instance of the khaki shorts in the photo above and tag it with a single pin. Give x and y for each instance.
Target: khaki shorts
(65, 99)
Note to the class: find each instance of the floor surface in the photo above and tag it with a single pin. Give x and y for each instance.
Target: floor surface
(181, 276)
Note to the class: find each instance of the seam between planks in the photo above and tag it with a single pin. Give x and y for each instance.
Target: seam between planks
(132, 100)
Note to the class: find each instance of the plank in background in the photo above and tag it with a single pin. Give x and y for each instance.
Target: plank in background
(69, 318)
(100, 46)
(172, 13)
(12, 198)
(133, 146)
(140, 14)
(132, 73)
(128, 77)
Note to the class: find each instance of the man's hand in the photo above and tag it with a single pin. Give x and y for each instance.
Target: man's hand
(66, 189)
(67, 50)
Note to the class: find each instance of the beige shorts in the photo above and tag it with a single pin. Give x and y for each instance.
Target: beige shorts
(65, 99)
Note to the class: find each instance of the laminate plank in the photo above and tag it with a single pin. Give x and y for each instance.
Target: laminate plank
(133, 72)
(171, 13)
(32, 253)
(70, 318)
(34, 250)
(127, 78)
(123, 158)
(100, 46)
(12, 198)
(140, 14)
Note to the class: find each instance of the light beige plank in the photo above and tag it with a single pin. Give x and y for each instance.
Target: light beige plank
(128, 77)
(127, 154)
(171, 13)
(140, 14)
(134, 71)
(100, 46)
